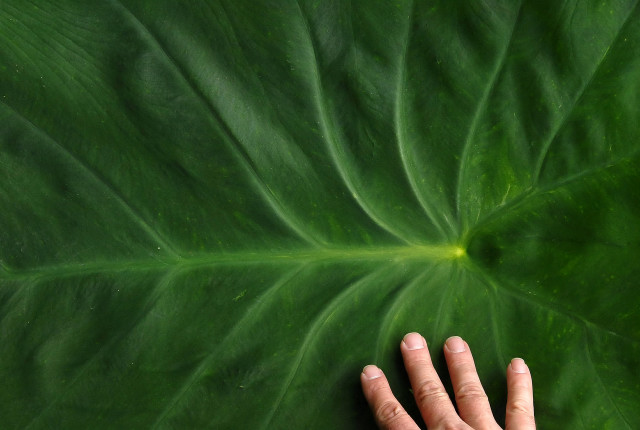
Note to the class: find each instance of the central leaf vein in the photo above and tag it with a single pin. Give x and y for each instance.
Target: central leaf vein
(389, 253)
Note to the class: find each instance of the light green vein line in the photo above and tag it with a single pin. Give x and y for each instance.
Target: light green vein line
(581, 92)
(331, 139)
(566, 313)
(609, 332)
(107, 347)
(392, 312)
(493, 290)
(311, 336)
(508, 289)
(17, 41)
(581, 419)
(447, 294)
(480, 109)
(229, 138)
(27, 27)
(418, 252)
(9, 304)
(604, 387)
(55, 48)
(521, 199)
(101, 182)
(495, 317)
(400, 128)
(248, 317)
(247, 64)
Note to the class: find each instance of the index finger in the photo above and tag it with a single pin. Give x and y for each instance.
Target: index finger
(388, 412)
(432, 399)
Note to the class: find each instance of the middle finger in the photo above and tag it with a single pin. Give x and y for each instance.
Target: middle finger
(432, 399)
(471, 399)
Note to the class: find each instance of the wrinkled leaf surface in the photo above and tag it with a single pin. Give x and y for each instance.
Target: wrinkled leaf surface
(214, 213)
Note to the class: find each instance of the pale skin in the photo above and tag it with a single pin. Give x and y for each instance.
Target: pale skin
(434, 403)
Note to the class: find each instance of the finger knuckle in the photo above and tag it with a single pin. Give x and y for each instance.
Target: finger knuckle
(418, 361)
(388, 411)
(470, 391)
(528, 423)
(429, 391)
(453, 425)
(520, 407)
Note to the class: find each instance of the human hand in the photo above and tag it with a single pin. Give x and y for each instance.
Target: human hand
(433, 401)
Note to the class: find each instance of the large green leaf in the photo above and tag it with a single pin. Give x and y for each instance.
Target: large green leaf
(214, 213)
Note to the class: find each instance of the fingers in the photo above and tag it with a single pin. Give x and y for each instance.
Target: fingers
(473, 404)
(432, 399)
(519, 397)
(389, 414)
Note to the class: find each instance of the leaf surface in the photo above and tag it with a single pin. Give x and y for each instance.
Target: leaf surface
(215, 213)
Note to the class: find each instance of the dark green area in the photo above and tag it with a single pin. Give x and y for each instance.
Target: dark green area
(213, 214)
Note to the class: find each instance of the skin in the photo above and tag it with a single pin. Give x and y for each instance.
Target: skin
(433, 401)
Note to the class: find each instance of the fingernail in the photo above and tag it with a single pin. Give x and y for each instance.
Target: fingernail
(518, 366)
(455, 344)
(414, 341)
(371, 372)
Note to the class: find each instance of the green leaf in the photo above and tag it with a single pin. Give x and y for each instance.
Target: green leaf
(215, 213)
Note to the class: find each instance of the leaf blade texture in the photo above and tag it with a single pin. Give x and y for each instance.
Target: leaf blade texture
(215, 213)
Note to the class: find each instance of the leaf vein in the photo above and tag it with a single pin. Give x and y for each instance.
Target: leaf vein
(166, 280)
(581, 92)
(84, 167)
(447, 295)
(389, 253)
(601, 382)
(532, 192)
(230, 139)
(331, 140)
(548, 306)
(247, 317)
(400, 126)
(481, 108)
(392, 311)
(315, 328)
(497, 332)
